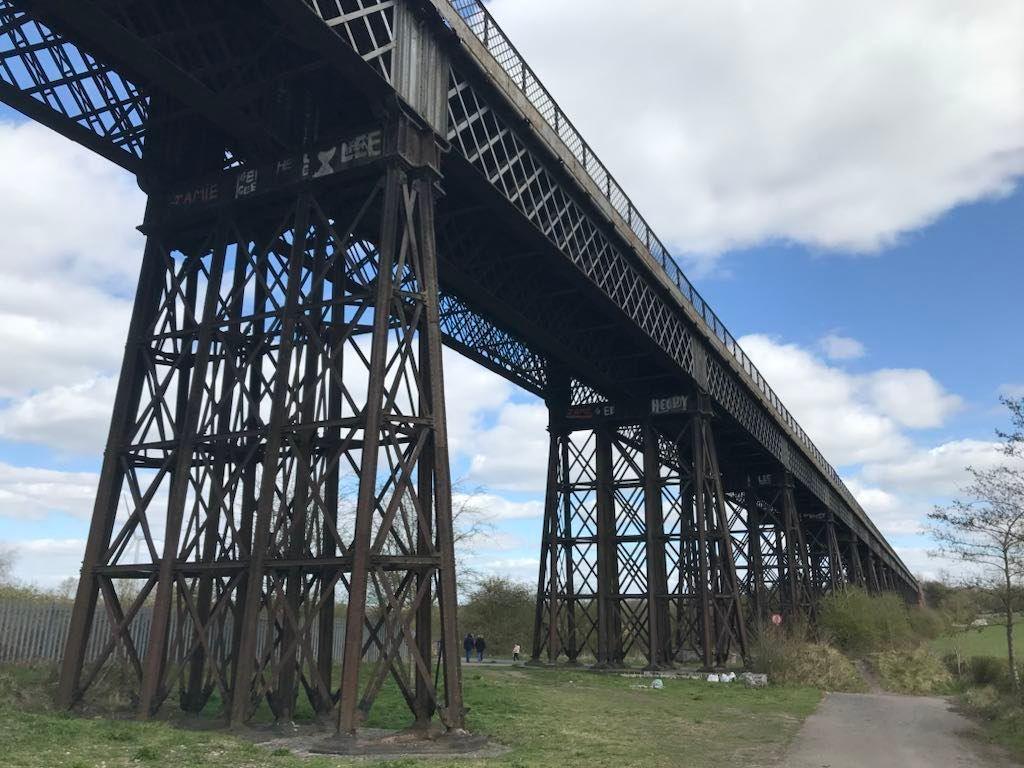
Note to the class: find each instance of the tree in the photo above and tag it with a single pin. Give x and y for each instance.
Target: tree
(7, 558)
(1013, 440)
(502, 611)
(471, 523)
(935, 591)
(960, 607)
(67, 588)
(986, 528)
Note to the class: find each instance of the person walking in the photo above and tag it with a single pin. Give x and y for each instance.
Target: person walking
(515, 652)
(469, 644)
(481, 646)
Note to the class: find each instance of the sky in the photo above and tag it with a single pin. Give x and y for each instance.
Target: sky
(843, 182)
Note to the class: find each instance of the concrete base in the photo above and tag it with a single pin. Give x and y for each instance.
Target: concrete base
(412, 743)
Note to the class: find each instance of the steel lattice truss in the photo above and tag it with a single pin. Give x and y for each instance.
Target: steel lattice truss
(279, 435)
(637, 557)
(264, 373)
(42, 74)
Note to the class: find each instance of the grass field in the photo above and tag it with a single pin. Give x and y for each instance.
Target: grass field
(984, 641)
(545, 717)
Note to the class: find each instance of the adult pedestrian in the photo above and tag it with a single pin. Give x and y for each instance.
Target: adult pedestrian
(481, 646)
(469, 644)
(515, 652)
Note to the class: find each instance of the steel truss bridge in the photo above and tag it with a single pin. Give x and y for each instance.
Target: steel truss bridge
(337, 188)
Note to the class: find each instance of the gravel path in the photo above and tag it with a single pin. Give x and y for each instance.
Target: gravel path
(852, 730)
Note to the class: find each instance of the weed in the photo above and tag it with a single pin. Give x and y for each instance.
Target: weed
(917, 672)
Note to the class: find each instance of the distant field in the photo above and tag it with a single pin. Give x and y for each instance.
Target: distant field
(986, 641)
(545, 717)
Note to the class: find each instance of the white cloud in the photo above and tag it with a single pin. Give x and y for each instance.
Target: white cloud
(838, 347)
(522, 569)
(1012, 390)
(936, 472)
(470, 391)
(922, 564)
(865, 422)
(840, 125)
(495, 508)
(53, 332)
(32, 493)
(69, 256)
(513, 454)
(852, 418)
(892, 513)
(827, 403)
(47, 562)
(71, 419)
(912, 398)
(67, 212)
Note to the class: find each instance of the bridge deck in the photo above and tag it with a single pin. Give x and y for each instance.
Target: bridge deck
(545, 259)
(489, 49)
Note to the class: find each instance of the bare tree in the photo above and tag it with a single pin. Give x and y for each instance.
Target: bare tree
(986, 528)
(1013, 440)
(472, 525)
(7, 558)
(67, 588)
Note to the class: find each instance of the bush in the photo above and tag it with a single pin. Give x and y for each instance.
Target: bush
(787, 657)
(954, 664)
(860, 623)
(1002, 713)
(987, 670)
(502, 611)
(984, 701)
(927, 623)
(918, 672)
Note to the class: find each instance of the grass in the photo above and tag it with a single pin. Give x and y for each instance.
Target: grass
(982, 641)
(917, 672)
(545, 717)
(1001, 716)
(792, 660)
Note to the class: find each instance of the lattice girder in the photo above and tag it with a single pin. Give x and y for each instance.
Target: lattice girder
(279, 356)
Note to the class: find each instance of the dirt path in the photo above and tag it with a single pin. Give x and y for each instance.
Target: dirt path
(852, 730)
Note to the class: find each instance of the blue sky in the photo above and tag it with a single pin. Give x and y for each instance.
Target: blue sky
(930, 301)
(847, 196)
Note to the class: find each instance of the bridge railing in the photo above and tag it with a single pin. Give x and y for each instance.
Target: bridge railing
(482, 23)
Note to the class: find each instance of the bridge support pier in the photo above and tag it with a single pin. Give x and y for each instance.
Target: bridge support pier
(827, 572)
(758, 560)
(798, 598)
(655, 475)
(637, 554)
(710, 625)
(281, 346)
(854, 566)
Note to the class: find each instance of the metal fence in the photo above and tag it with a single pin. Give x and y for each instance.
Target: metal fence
(35, 632)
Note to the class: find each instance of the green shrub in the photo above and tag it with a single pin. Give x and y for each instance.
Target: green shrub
(788, 658)
(1002, 714)
(954, 664)
(146, 753)
(859, 623)
(987, 670)
(984, 701)
(927, 623)
(918, 672)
